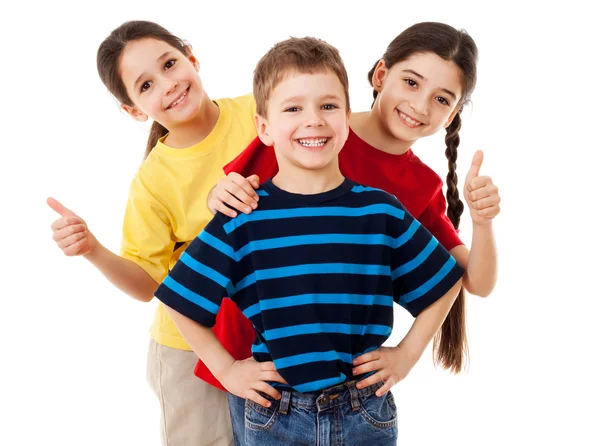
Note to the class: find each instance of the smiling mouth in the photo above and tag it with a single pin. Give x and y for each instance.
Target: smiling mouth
(178, 101)
(312, 143)
(409, 120)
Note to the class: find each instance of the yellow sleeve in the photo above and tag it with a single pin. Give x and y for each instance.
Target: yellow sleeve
(147, 235)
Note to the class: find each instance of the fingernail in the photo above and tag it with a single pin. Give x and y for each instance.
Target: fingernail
(247, 210)
(254, 205)
(269, 404)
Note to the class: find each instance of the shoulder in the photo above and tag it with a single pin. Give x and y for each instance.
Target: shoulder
(240, 106)
(426, 176)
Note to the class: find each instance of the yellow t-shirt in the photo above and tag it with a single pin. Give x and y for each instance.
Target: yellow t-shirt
(168, 200)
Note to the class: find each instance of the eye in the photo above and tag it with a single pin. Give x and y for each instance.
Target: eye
(145, 86)
(169, 63)
(330, 107)
(442, 100)
(292, 109)
(410, 82)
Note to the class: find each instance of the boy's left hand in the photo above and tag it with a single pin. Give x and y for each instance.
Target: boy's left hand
(481, 193)
(391, 363)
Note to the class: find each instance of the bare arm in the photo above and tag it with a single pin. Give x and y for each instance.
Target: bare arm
(72, 235)
(125, 274)
(242, 378)
(427, 324)
(392, 364)
(204, 343)
(483, 201)
(481, 263)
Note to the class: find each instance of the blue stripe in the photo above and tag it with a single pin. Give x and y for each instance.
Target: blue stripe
(188, 294)
(217, 244)
(260, 348)
(204, 270)
(336, 211)
(408, 234)
(348, 329)
(262, 193)
(321, 384)
(313, 268)
(427, 286)
(316, 239)
(418, 260)
(358, 189)
(318, 299)
(307, 358)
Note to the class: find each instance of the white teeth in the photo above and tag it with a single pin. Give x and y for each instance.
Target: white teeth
(313, 142)
(179, 100)
(409, 120)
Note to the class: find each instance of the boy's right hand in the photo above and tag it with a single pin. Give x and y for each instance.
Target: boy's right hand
(245, 378)
(235, 191)
(70, 232)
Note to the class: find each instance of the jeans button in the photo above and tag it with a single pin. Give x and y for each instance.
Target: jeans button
(325, 399)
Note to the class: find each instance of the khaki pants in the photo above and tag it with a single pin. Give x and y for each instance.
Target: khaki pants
(193, 413)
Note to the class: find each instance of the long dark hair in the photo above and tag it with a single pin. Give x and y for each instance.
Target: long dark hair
(109, 56)
(450, 343)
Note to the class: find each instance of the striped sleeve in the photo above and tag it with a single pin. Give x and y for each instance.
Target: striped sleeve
(202, 277)
(422, 270)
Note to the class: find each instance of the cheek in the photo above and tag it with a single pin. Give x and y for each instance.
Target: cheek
(285, 129)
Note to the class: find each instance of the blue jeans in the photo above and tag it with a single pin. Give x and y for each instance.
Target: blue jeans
(237, 407)
(340, 415)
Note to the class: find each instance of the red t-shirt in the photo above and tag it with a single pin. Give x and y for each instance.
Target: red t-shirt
(413, 183)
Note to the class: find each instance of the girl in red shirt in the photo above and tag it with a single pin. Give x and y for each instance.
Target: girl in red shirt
(420, 86)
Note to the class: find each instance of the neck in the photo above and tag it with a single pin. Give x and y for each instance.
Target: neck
(299, 180)
(368, 126)
(195, 130)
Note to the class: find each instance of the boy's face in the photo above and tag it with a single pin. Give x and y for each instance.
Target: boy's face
(307, 121)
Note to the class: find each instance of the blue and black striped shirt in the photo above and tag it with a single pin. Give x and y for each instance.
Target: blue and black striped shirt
(317, 276)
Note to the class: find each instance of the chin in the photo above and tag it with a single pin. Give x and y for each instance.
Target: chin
(314, 165)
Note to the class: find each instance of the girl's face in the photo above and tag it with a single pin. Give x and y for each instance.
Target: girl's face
(418, 96)
(161, 81)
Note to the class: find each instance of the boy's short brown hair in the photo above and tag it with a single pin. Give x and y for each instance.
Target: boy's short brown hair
(303, 55)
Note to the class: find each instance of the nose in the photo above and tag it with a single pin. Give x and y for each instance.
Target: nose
(313, 118)
(419, 106)
(170, 86)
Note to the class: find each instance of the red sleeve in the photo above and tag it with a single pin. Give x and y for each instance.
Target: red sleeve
(436, 221)
(256, 159)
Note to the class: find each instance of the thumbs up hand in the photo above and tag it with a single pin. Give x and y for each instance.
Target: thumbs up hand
(480, 193)
(70, 232)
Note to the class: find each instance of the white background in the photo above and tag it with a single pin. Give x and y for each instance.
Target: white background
(73, 348)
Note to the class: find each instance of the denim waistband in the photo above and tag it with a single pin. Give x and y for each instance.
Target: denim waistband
(327, 398)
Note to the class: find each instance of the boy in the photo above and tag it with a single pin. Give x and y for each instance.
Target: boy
(316, 270)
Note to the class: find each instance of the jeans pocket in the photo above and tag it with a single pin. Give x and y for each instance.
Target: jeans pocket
(258, 417)
(380, 412)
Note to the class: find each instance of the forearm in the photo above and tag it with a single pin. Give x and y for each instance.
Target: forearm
(204, 343)
(427, 324)
(125, 274)
(482, 266)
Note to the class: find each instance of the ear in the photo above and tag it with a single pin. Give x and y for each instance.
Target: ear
(379, 75)
(191, 57)
(263, 129)
(348, 120)
(451, 117)
(135, 113)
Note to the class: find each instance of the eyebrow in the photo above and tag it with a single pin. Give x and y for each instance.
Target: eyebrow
(420, 76)
(298, 98)
(164, 56)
